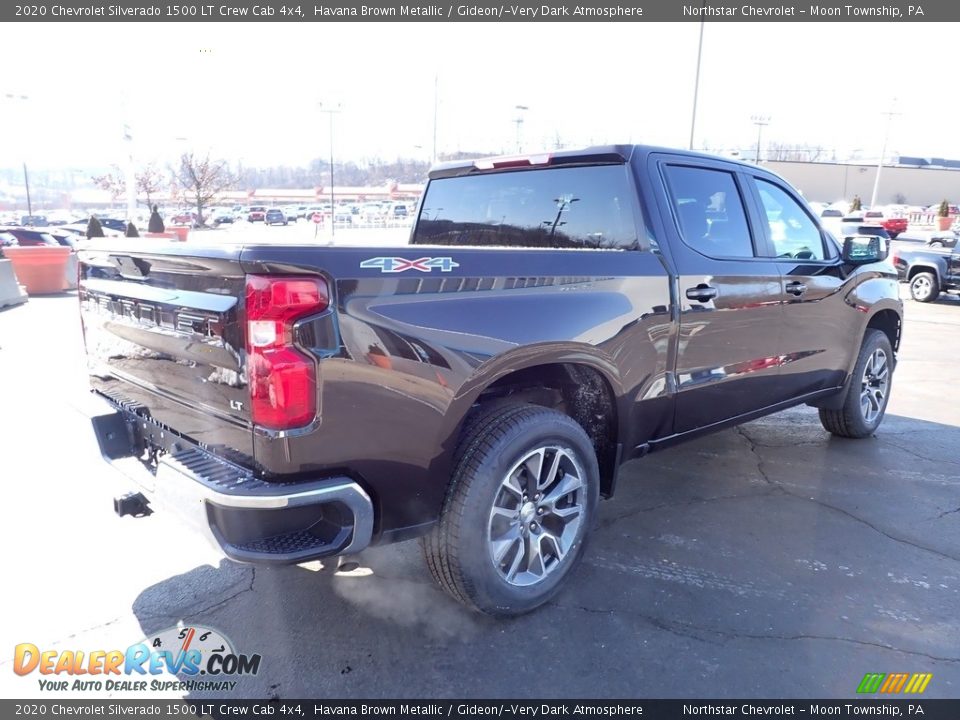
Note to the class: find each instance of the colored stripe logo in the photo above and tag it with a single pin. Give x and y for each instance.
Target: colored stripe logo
(894, 683)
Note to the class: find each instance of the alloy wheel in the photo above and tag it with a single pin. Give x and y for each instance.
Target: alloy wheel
(536, 515)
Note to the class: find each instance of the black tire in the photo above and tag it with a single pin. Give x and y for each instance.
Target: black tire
(460, 550)
(853, 420)
(924, 287)
(936, 244)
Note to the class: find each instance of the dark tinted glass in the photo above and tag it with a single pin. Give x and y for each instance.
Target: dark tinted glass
(709, 211)
(792, 232)
(578, 207)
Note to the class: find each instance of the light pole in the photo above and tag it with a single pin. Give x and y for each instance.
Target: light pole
(436, 100)
(883, 151)
(331, 111)
(519, 121)
(696, 87)
(130, 175)
(26, 176)
(760, 121)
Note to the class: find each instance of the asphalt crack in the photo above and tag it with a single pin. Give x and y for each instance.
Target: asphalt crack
(607, 522)
(175, 613)
(920, 456)
(649, 619)
(689, 630)
(781, 488)
(234, 596)
(753, 449)
(831, 638)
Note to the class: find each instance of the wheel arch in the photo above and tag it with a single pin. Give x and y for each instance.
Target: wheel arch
(888, 321)
(915, 270)
(578, 381)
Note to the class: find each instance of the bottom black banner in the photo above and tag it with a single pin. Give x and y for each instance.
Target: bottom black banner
(527, 709)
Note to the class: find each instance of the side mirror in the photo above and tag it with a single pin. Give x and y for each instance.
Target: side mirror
(864, 249)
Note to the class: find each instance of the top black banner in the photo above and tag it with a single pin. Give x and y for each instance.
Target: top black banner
(593, 11)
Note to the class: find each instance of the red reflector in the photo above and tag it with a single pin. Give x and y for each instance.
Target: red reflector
(282, 379)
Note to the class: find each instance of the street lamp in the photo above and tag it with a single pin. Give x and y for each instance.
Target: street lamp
(26, 176)
(331, 111)
(519, 121)
(436, 100)
(883, 151)
(760, 121)
(696, 87)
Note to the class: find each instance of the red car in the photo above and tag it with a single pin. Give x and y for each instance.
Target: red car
(893, 225)
(185, 218)
(257, 213)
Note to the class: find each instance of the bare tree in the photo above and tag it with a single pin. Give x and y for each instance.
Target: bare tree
(112, 182)
(148, 181)
(203, 179)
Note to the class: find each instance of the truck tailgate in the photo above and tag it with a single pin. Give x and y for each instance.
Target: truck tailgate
(163, 329)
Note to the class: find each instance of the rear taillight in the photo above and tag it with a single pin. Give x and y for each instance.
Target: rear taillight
(282, 379)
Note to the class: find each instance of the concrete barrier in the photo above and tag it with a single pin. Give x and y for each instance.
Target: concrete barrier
(11, 292)
(71, 272)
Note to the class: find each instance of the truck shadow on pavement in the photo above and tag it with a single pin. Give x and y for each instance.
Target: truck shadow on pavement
(767, 561)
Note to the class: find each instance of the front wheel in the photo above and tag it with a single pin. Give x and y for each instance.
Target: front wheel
(868, 393)
(924, 287)
(522, 500)
(936, 244)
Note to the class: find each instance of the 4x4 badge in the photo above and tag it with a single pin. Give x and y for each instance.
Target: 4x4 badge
(399, 264)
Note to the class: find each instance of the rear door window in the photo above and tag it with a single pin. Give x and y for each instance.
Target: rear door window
(560, 207)
(709, 211)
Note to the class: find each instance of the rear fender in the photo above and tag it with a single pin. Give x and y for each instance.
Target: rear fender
(512, 361)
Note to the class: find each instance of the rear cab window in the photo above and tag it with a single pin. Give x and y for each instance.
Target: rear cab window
(582, 207)
(709, 211)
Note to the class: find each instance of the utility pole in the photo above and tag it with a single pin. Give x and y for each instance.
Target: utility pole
(331, 111)
(26, 176)
(696, 87)
(883, 151)
(436, 96)
(26, 183)
(760, 121)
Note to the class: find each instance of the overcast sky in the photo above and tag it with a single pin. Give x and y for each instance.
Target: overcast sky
(250, 91)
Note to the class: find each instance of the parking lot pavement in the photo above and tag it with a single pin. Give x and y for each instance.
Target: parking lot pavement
(767, 561)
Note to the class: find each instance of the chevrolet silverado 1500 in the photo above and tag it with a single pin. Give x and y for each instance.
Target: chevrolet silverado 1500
(551, 318)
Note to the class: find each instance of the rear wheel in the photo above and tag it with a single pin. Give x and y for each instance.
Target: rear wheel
(936, 244)
(924, 288)
(868, 393)
(522, 500)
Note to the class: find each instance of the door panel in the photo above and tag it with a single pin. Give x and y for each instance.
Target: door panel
(727, 359)
(728, 354)
(818, 322)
